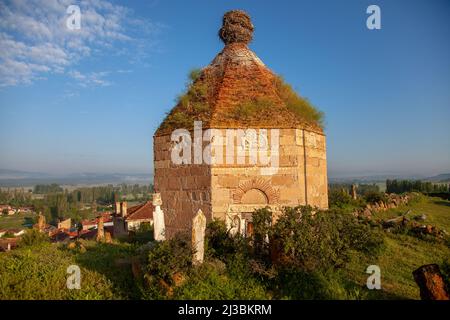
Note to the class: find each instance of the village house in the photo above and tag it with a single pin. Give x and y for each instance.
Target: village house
(64, 223)
(8, 244)
(92, 224)
(8, 209)
(132, 218)
(12, 232)
(239, 92)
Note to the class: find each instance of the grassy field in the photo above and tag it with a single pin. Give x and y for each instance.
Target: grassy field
(403, 253)
(17, 221)
(106, 277)
(40, 272)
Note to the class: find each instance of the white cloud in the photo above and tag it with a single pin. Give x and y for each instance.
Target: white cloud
(35, 41)
(90, 79)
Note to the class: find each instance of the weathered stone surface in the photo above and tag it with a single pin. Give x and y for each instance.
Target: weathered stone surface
(159, 227)
(235, 76)
(108, 238)
(198, 237)
(100, 230)
(354, 196)
(430, 281)
(72, 245)
(41, 223)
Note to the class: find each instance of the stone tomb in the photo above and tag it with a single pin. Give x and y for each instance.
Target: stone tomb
(233, 188)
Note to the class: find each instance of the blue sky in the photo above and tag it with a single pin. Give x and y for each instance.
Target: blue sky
(91, 101)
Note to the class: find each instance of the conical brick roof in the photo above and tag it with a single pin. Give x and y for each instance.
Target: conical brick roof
(236, 90)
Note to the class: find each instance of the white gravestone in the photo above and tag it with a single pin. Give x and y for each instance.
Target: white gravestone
(159, 227)
(198, 237)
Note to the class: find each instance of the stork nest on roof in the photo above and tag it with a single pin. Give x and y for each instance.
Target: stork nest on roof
(236, 27)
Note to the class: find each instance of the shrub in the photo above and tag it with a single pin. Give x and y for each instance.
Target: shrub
(321, 240)
(143, 234)
(220, 243)
(262, 224)
(33, 237)
(167, 258)
(374, 197)
(339, 198)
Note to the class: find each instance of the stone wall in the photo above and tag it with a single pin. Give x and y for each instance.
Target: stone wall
(184, 189)
(222, 189)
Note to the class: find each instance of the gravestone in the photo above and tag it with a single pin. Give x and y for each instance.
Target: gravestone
(159, 228)
(198, 237)
(41, 222)
(100, 230)
(431, 284)
(354, 192)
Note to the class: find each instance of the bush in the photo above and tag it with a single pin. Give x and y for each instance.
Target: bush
(374, 197)
(321, 240)
(143, 234)
(339, 198)
(166, 258)
(262, 224)
(33, 237)
(220, 244)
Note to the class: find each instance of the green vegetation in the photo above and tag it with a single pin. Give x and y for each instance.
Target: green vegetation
(192, 104)
(300, 106)
(404, 253)
(248, 109)
(17, 221)
(33, 237)
(395, 186)
(47, 188)
(245, 268)
(39, 271)
(78, 204)
(305, 254)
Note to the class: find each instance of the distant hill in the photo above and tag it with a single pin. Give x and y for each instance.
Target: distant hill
(14, 178)
(443, 177)
(373, 178)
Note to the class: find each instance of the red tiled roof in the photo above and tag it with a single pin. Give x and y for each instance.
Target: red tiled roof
(91, 234)
(12, 241)
(141, 212)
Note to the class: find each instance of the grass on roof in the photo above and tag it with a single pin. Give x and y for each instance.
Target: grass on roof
(297, 104)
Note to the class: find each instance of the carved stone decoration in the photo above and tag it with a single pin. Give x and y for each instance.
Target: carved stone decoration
(259, 184)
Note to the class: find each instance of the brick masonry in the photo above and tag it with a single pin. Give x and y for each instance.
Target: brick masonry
(219, 189)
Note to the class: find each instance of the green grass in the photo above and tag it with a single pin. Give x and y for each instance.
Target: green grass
(16, 221)
(436, 210)
(39, 272)
(403, 253)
